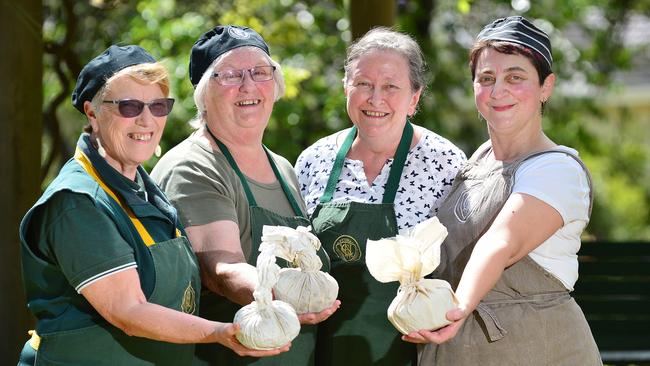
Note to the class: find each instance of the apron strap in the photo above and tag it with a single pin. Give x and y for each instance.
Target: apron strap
(395, 170)
(85, 163)
(398, 164)
(285, 187)
(249, 194)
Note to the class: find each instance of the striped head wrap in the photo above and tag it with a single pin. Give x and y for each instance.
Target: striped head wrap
(518, 29)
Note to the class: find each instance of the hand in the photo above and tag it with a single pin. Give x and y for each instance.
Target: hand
(315, 318)
(226, 336)
(456, 316)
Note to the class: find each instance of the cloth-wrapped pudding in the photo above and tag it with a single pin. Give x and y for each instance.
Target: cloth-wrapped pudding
(266, 323)
(305, 287)
(420, 303)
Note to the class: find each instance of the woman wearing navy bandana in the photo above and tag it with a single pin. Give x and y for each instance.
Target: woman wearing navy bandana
(227, 185)
(109, 273)
(515, 215)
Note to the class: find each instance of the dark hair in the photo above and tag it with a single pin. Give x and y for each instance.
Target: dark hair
(509, 48)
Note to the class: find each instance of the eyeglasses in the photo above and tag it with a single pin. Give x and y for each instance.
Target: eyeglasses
(130, 108)
(236, 77)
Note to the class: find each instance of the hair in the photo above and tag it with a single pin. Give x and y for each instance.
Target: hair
(145, 74)
(202, 86)
(385, 39)
(509, 48)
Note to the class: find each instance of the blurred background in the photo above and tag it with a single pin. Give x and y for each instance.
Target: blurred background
(601, 105)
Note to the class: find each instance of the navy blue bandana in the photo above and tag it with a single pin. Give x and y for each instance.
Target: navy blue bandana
(94, 75)
(218, 41)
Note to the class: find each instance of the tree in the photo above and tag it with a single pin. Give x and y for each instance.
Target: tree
(20, 77)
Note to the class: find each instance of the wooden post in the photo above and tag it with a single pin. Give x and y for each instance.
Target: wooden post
(21, 99)
(367, 14)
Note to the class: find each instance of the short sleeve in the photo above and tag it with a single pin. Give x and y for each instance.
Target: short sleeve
(558, 180)
(201, 194)
(81, 239)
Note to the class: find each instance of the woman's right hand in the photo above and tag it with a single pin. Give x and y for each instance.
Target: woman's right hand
(225, 333)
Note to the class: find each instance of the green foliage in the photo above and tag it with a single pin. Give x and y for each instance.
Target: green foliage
(309, 38)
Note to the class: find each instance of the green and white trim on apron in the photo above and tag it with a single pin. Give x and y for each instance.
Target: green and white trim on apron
(359, 333)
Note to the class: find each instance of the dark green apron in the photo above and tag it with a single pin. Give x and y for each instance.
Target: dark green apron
(218, 308)
(359, 333)
(99, 343)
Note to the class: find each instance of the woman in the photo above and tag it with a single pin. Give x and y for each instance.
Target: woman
(227, 185)
(514, 217)
(108, 271)
(375, 180)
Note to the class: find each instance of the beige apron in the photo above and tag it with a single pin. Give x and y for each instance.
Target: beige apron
(528, 318)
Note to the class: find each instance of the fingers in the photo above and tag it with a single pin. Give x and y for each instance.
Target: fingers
(455, 314)
(315, 318)
(243, 351)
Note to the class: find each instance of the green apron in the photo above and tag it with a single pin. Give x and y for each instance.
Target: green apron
(359, 333)
(98, 342)
(218, 308)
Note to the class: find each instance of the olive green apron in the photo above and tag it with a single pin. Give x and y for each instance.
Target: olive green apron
(176, 284)
(529, 317)
(359, 333)
(219, 308)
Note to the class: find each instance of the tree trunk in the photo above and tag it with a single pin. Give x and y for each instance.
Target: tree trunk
(21, 93)
(367, 14)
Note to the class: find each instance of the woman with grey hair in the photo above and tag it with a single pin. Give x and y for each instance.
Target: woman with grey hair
(226, 184)
(377, 179)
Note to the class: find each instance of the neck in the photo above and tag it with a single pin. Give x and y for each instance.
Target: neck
(249, 155)
(511, 148)
(126, 170)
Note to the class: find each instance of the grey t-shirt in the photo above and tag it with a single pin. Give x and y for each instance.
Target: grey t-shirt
(203, 187)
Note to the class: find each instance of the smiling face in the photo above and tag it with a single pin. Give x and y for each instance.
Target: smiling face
(128, 141)
(229, 108)
(507, 91)
(379, 94)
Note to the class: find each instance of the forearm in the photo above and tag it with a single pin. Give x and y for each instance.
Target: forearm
(236, 281)
(153, 321)
(484, 268)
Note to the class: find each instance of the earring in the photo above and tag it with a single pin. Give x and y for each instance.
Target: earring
(100, 148)
(157, 151)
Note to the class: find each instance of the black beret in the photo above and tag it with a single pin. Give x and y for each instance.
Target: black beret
(519, 30)
(94, 75)
(218, 41)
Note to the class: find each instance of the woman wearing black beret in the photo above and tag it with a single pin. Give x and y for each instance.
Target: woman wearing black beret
(515, 215)
(227, 185)
(109, 273)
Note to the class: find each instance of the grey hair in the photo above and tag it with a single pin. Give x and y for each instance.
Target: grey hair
(202, 87)
(386, 39)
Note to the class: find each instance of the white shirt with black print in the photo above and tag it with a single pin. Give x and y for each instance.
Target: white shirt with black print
(428, 174)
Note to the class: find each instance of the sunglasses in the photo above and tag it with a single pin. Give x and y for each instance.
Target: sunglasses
(130, 108)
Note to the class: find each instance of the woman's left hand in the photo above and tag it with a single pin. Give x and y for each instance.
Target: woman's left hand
(315, 318)
(456, 316)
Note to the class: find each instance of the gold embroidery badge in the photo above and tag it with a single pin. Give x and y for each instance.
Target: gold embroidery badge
(188, 305)
(347, 248)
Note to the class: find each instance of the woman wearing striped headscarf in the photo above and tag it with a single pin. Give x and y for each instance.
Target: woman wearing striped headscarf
(515, 215)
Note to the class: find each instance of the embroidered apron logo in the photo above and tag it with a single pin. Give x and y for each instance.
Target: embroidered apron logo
(347, 248)
(469, 201)
(188, 305)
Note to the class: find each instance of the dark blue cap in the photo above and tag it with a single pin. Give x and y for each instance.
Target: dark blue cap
(218, 41)
(518, 29)
(94, 75)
